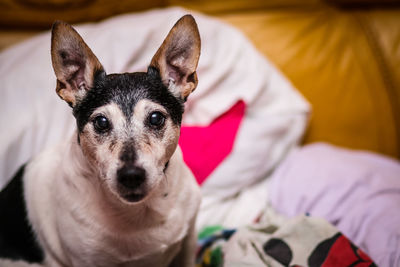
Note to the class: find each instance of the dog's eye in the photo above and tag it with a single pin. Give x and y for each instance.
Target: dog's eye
(156, 119)
(101, 124)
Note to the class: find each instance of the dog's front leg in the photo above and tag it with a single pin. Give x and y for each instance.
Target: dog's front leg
(187, 254)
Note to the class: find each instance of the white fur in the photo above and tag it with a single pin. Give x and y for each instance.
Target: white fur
(10, 263)
(79, 222)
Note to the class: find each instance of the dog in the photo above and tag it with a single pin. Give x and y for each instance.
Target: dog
(117, 193)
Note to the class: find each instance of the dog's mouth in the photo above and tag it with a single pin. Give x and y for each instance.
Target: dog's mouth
(132, 198)
(130, 195)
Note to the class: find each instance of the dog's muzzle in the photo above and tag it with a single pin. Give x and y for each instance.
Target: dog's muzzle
(130, 182)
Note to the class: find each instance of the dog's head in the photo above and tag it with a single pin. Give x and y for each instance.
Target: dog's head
(128, 124)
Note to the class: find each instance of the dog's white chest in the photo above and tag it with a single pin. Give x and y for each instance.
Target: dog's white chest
(153, 242)
(77, 225)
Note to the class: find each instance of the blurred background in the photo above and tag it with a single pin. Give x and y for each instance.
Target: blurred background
(344, 56)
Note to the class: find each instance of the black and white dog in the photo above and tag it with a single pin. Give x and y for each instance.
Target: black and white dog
(117, 193)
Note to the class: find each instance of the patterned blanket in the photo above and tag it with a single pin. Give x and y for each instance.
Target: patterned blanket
(301, 241)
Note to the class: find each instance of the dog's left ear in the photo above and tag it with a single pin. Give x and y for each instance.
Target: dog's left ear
(177, 57)
(74, 63)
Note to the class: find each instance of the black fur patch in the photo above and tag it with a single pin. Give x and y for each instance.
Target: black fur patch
(128, 153)
(126, 90)
(17, 241)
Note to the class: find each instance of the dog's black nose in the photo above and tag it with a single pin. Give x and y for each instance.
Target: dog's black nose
(131, 177)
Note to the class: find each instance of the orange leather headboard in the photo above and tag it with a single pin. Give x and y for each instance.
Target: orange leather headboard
(345, 62)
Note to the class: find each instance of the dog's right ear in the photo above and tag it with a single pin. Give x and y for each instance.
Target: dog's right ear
(74, 63)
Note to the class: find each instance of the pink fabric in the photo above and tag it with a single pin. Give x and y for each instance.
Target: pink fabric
(204, 148)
